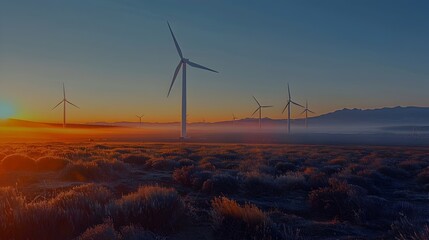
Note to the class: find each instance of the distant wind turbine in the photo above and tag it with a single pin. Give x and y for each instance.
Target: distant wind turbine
(140, 118)
(233, 119)
(260, 110)
(306, 110)
(64, 101)
(288, 106)
(182, 64)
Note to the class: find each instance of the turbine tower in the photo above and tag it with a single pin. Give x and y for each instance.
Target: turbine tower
(306, 110)
(260, 110)
(182, 64)
(233, 119)
(140, 118)
(288, 106)
(64, 101)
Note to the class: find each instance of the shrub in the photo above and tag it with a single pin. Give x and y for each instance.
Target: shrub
(191, 176)
(155, 208)
(138, 233)
(284, 167)
(84, 205)
(50, 163)
(423, 176)
(104, 231)
(11, 202)
(317, 180)
(329, 170)
(93, 170)
(411, 165)
(17, 162)
(376, 177)
(135, 159)
(292, 181)
(338, 200)
(220, 183)
(62, 217)
(363, 182)
(393, 172)
(405, 229)
(257, 184)
(232, 221)
(339, 160)
(161, 164)
(186, 162)
(210, 163)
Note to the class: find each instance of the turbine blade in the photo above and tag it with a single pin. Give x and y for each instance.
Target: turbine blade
(174, 76)
(256, 101)
(57, 104)
(297, 104)
(72, 104)
(175, 42)
(303, 111)
(311, 111)
(266, 106)
(288, 90)
(285, 107)
(201, 67)
(255, 111)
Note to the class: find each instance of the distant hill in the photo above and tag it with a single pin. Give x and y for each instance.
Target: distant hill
(381, 116)
(395, 116)
(21, 123)
(30, 124)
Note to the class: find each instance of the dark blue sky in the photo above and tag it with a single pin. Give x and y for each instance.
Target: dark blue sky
(119, 55)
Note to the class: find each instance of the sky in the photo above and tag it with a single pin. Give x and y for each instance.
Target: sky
(117, 57)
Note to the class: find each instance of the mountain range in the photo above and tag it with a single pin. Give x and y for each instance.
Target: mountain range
(388, 116)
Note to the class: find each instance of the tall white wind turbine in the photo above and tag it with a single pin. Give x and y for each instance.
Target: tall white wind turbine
(64, 101)
(288, 106)
(260, 110)
(233, 119)
(182, 64)
(140, 119)
(306, 111)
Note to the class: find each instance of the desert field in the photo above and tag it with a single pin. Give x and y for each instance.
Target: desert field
(212, 191)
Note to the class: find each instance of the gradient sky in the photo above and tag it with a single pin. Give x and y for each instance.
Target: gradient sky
(117, 57)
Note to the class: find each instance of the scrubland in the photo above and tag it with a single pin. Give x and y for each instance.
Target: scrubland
(128, 191)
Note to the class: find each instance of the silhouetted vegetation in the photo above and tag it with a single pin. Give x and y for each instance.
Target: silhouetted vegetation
(186, 191)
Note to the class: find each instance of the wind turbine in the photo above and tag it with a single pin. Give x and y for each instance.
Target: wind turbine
(64, 101)
(260, 110)
(233, 119)
(140, 118)
(182, 64)
(306, 110)
(288, 106)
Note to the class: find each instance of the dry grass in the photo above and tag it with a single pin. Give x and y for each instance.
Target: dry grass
(153, 207)
(51, 163)
(233, 221)
(18, 162)
(326, 191)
